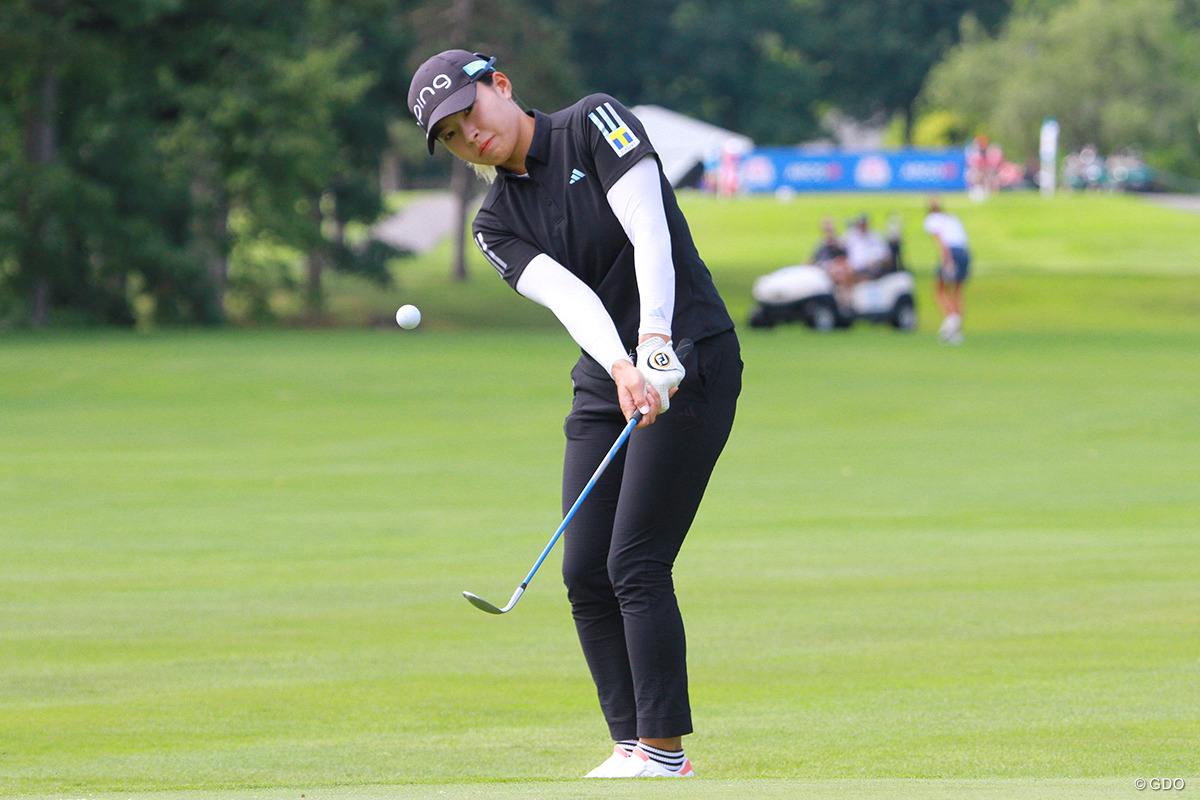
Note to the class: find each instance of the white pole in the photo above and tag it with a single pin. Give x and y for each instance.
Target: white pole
(1048, 152)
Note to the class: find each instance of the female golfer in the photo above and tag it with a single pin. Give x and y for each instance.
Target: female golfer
(580, 219)
(954, 268)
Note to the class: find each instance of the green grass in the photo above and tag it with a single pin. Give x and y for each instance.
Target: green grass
(1055, 789)
(1074, 233)
(1099, 261)
(230, 562)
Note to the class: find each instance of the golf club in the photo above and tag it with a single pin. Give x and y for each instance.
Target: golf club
(685, 347)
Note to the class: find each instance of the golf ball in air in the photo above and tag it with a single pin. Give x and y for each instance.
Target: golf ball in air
(408, 317)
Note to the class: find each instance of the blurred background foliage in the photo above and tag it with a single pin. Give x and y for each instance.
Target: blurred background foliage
(178, 160)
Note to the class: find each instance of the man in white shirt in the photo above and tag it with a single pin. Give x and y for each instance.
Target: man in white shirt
(867, 252)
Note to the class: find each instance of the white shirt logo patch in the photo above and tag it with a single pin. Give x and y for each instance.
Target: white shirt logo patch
(614, 129)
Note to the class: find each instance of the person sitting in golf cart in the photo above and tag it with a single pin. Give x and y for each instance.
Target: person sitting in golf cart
(868, 255)
(831, 256)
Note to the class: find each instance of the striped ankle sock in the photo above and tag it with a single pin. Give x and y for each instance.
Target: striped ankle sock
(671, 759)
(627, 745)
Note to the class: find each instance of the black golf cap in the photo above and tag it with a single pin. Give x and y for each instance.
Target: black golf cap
(445, 85)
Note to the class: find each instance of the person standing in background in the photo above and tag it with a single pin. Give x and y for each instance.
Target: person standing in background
(954, 268)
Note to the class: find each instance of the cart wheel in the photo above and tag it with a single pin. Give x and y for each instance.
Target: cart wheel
(762, 318)
(821, 315)
(904, 315)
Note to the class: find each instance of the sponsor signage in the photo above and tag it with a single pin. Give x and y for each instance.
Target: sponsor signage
(771, 169)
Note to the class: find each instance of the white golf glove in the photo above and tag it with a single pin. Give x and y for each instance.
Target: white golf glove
(661, 368)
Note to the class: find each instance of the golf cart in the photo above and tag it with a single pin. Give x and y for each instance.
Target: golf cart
(806, 293)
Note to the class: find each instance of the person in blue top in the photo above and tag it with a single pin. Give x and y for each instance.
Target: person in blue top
(580, 219)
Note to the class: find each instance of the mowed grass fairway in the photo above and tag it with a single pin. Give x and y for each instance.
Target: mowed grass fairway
(231, 562)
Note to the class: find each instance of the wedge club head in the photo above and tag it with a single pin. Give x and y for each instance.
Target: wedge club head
(484, 605)
(684, 348)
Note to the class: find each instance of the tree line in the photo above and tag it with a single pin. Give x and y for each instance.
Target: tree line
(170, 158)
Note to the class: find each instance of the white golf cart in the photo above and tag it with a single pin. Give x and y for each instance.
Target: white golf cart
(806, 293)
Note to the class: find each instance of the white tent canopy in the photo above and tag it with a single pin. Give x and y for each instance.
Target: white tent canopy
(682, 142)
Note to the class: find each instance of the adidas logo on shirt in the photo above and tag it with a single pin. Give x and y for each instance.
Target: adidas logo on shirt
(576, 176)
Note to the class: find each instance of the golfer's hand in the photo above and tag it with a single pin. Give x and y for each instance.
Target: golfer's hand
(634, 393)
(657, 362)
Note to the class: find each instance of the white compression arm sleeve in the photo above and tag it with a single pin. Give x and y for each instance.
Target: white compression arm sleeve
(636, 198)
(549, 283)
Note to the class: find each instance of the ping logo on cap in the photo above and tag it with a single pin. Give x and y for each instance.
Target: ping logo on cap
(441, 81)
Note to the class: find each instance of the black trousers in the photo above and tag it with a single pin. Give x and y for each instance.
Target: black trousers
(620, 548)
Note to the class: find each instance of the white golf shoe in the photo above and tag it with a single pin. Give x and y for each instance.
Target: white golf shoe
(951, 326)
(639, 764)
(610, 766)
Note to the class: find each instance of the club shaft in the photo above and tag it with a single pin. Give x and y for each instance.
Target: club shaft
(684, 348)
(629, 426)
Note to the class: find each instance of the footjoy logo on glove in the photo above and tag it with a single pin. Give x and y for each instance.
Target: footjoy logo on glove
(661, 360)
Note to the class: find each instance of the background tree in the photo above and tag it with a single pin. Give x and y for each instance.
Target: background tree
(1116, 74)
(383, 41)
(166, 154)
(141, 140)
(527, 44)
(740, 64)
(82, 204)
(874, 55)
(255, 91)
(764, 68)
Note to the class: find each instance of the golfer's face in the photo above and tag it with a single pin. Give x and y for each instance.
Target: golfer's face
(485, 133)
